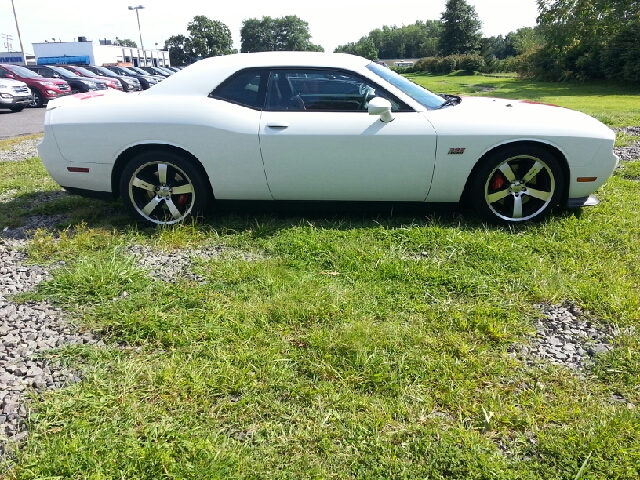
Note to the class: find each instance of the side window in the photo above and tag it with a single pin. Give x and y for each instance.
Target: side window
(324, 90)
(246, 88)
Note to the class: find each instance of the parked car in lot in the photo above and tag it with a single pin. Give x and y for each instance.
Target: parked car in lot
(146, 81)
(129, 84)
(78, 84)
(322, 127)
(14, 95)
(139, 70)
(83, 72)
(42, 88)
(158, 71)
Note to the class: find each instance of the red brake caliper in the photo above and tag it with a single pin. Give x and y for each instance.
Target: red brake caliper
(182, 200)
(497, 182)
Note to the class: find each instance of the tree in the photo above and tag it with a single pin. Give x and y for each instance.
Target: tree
(460, 29)
(126, 42)
(179, 50)
(577, 33)
(363, 48)
(411, 41)
(621, 59)
(526, 39)
(209, 38)
(289, 33)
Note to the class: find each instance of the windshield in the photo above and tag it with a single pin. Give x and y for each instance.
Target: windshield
(127, 71)
(138, 70)
(64, 72)
(22, 72)
(421, 95)
(86, 72)
(105, 71)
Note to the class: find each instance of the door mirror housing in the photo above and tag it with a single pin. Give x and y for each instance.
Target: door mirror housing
(382, 107)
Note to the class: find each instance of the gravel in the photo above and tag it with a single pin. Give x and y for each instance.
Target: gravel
(565, 335)
(632, 152)
(20, 151)
(27, 331)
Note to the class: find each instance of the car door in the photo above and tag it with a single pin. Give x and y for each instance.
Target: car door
(318, 141)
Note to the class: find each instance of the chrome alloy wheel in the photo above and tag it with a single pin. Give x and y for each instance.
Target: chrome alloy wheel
(161, 193)
(520, 188)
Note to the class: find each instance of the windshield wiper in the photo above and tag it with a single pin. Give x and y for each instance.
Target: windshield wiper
(449, 100)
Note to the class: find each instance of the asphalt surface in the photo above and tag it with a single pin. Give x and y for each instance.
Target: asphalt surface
(26, 122)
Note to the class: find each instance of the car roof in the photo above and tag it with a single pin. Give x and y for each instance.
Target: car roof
(201, 77)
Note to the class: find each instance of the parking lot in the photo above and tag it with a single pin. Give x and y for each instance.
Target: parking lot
(26, 122)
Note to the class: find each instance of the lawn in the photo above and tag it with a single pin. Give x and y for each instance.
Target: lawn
(616, 105)
(369, 343)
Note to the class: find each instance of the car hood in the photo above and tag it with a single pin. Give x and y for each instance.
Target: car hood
(485, 115)
(12, 83)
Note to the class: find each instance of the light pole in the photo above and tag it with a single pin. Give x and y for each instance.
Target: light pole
(18, 29)
(138, 17)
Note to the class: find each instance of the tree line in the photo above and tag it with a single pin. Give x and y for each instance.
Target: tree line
(573, 39)
(208, 38)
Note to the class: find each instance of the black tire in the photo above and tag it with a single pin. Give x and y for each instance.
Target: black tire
(16, 109)
(38, 100)
(153, 199)
(517, 184)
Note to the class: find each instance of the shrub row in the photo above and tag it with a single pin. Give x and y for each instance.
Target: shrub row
(470, 64)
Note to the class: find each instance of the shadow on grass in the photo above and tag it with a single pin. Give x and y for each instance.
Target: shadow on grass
(56, 211)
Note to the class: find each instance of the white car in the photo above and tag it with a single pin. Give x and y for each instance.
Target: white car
(318, 126)
(14, 95)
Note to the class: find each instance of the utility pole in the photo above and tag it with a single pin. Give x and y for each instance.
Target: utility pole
(18, 29)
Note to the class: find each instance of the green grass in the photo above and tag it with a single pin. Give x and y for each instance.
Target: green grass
(332, 345)
(613, 104)
(8, 143)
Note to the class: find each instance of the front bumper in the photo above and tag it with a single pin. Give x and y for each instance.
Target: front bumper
(589, 201)
(15, 101)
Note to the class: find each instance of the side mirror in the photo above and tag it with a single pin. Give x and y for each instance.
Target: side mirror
(9, 75)
(382, 107)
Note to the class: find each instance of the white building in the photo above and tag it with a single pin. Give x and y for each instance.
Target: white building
(17, 58)
(85, 52)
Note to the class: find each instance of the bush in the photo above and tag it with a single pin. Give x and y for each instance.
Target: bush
(427, 64)
(471, 63)
(446, 64)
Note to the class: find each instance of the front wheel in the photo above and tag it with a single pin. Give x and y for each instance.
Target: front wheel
(163, 188)
(517, 184)
(37, 100)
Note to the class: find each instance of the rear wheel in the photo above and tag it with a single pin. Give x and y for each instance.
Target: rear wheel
(163, 188)
(517, 184)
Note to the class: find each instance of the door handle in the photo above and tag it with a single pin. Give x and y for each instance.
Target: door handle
(277, 124)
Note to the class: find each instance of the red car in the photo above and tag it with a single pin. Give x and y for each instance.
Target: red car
(83, 72)
(43, 89)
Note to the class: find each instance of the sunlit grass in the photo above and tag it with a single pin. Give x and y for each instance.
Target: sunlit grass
(614, 104)
(339, 345)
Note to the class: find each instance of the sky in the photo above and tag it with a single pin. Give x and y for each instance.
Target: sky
(331, 22)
